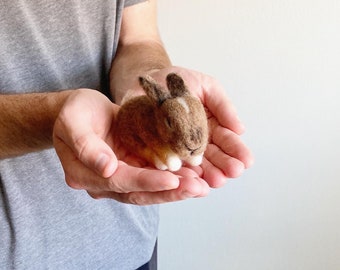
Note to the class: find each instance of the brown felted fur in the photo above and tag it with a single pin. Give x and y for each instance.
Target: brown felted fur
(166, 126)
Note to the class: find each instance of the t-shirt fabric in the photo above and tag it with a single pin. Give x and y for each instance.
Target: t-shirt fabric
(44, 224)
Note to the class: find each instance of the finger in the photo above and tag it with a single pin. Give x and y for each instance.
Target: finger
(214, 176)
(124, 180)
(231, 144)
(231, 167)
(197, 169)
(83, 124)
(92, 151)
(220, 106)
(77, 174)
(189, 188)
(128, 179)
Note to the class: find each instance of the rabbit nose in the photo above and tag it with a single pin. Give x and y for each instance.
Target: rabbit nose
(192, 151)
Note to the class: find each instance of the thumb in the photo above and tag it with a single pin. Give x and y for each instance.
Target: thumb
(87, 147)
(82, 124)
(95, 154)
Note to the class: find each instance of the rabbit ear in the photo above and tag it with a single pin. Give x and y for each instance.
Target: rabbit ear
(176, 85)
(154, 91)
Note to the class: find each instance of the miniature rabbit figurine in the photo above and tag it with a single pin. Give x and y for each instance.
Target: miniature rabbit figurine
(165, 126)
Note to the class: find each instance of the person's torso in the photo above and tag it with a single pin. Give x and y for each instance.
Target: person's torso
(44, 224)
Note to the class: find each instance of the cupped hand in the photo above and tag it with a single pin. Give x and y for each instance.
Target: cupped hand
(93, 160)
(226, 155)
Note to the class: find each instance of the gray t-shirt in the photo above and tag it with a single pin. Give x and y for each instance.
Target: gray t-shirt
(44, 224)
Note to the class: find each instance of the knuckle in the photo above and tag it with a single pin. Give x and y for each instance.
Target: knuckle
(72, 183)
(137, 199)
(95, 196)
(80, 145)
(116, 186)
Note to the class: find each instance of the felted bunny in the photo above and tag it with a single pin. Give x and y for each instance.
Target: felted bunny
(165, 126)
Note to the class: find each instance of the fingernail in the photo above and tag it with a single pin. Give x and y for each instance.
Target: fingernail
(101, 162)
(174, 184)
(194, 190)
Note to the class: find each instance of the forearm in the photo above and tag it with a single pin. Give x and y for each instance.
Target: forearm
(26, 121)
(133, 60)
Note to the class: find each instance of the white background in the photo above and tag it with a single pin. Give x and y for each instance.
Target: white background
(279, 61)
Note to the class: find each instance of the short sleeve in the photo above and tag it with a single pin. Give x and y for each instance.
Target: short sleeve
(132, 2)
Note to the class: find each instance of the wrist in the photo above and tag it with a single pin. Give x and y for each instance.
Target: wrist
(134, 60)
